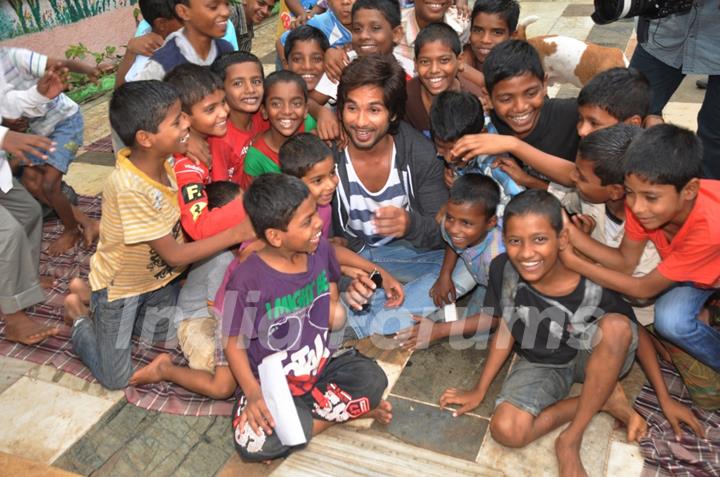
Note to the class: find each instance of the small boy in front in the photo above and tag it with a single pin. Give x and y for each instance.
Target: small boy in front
(564, 329)
(141, 251)
(284, 299)
(668, 204)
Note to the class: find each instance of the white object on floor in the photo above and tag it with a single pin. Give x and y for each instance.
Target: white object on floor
(450, 312)
(279, 401)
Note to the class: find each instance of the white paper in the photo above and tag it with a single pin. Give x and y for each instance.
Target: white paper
(279, 401)
(450, 312)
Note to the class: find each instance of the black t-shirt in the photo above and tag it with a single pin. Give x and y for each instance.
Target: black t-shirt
(555, 132)
(546, 329)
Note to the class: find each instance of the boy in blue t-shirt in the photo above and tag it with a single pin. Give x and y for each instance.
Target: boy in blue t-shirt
(284, 299)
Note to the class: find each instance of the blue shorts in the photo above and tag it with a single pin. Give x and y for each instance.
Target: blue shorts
(68, 137)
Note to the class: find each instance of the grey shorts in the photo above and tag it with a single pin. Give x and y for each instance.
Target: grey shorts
(534, 386)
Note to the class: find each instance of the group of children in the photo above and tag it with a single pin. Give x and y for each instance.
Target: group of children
(243, 205)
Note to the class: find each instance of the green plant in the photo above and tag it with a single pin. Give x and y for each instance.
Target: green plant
(79, 83)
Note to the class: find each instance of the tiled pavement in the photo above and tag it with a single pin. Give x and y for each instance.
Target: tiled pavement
(53, 418)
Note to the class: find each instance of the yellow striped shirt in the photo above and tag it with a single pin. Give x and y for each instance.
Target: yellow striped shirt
(135, 210)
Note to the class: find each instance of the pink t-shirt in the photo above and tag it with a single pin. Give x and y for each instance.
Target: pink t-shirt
(325, 213)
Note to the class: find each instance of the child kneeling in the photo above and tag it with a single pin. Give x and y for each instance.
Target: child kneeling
(284, 298)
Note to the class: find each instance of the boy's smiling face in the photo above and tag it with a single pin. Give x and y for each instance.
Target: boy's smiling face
(307, 60)
(285, 107)
(257, 10)
(518, 100)
(487, 30)
(466, 223)
(431, 11)
(658, 205)
(304, 230)
(372, 33)
(244, 87)
(209, 17)
(322, 180)
(587, 183)
(437, 67)
(592, 117)
(209, 115)
(533, 246)
(172, 135)
(342, 10)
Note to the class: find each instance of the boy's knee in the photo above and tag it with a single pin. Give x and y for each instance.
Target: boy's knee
(616, 328)
(672, 326)
(507, 431)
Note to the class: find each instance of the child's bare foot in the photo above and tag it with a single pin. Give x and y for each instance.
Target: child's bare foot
(153, 372)
(568, 456)
(74, 309)
(80, 287)
(46, 282)
(22, 329)
(65, 242)
(90, 232)
(382, 413)
(619, 407)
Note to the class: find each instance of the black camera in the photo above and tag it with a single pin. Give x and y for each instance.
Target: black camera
(608, 11)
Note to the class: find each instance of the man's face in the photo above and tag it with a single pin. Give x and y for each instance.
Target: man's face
(533, 246)
(587, 183)
(206, 16)
(209, 115)
(437, 67)
(593, 118)
(487, 30)
(372, 33)
(466, 223)
(655, 205)
(517, 102)
(257, 10)
(306, 59)
(244, 87)
(365, 117)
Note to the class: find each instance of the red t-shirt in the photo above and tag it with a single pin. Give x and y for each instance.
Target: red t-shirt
(228, 152)
(195, 218)
(693, 255)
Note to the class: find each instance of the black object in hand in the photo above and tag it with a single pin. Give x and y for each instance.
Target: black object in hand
(377, 279)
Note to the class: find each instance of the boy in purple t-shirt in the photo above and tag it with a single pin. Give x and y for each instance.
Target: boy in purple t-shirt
(284, 299)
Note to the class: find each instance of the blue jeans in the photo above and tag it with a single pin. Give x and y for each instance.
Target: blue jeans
(664, 80)
(104, 343)
(419, 271)
(676, 320)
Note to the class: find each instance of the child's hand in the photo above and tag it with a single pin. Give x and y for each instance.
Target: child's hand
(335, 62)
(352, 272)
(391, 221)
(145, 45)
(198, 150)
(449, 177)
(244, 231)
(510, 167)
(53, 82)
(394, 292)
(359, 292)
(463, 9)
(19, 144)
(676, 413)
(300, 19)
(418, 336)
(18, 125)
(467, 400)
(471, 145)
(94, 74)
(584, 223)
(328, 127)
(443, 291)
(257, 414)
(341, 241)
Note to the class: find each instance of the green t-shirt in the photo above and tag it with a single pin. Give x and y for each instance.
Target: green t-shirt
(260, 159)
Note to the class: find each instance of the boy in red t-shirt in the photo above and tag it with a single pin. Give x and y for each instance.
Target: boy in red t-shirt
(243, 76)
(668, 204)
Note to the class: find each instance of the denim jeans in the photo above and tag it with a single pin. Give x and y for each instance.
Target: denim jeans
(406, 263)
(664, 80)
(676, 320)
(104, 343)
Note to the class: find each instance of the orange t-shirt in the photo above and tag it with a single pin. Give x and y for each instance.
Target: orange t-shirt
(693, 255)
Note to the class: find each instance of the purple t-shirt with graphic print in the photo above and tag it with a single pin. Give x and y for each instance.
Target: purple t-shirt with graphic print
(286, 312)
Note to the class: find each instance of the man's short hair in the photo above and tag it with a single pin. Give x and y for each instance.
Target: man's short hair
(441, 32)
(382, 71)
(476, 189)
(271, 201)
(284, 76)
(622, 92)
(507, 10)
(193, 83)
(536, 202)
(221, 193)
(305, 33)
(510, 59)
(301, 152)
(151, 10)
(390, 9)
(454, 114)
(222, 62)
(606, 149)
(665, 155)
(140, 106)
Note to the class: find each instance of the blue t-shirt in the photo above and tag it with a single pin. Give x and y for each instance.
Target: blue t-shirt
(331, 27)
